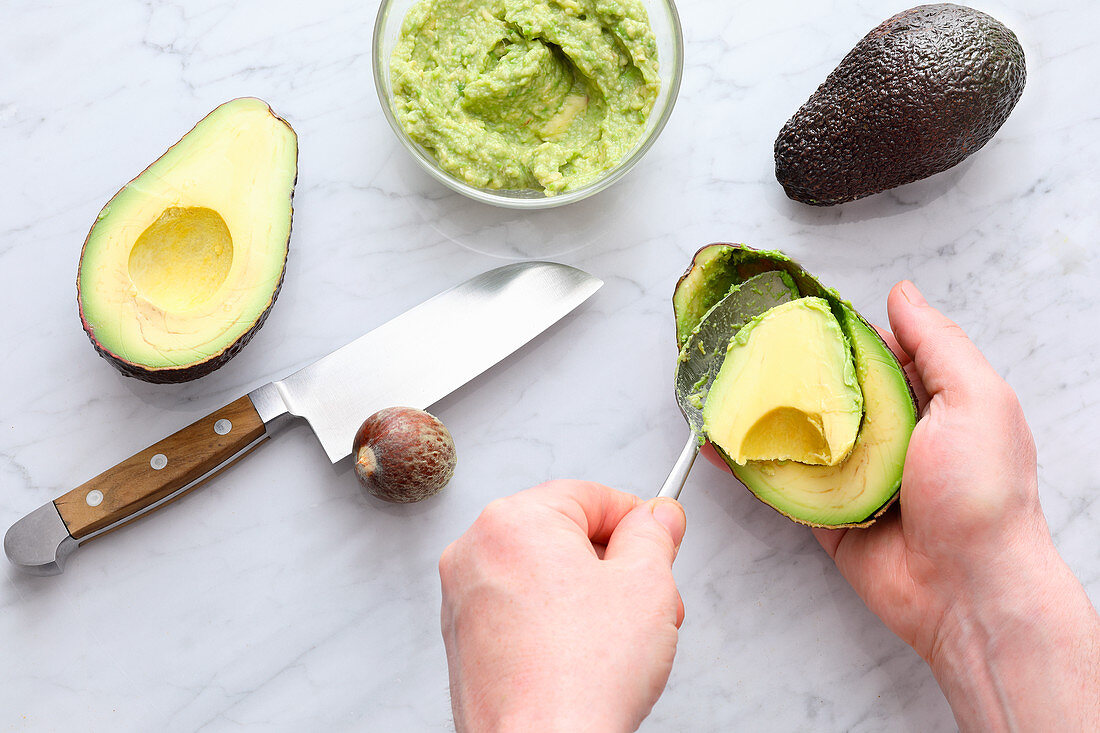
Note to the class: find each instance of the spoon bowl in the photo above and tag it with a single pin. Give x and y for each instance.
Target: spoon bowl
(703, 353)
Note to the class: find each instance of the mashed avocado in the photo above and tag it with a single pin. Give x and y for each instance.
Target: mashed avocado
(516, 94)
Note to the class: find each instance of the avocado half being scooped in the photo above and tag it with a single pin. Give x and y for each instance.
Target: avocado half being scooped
(810, 409)
(181, 267)
(787, 389)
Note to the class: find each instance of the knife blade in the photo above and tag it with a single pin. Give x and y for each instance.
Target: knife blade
(414, 360)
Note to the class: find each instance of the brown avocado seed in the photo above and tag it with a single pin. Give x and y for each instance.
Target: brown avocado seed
(403, 455)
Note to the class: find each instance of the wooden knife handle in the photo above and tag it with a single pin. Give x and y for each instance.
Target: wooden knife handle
(164, 471)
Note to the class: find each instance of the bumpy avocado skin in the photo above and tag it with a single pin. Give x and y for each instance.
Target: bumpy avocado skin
(920, 93)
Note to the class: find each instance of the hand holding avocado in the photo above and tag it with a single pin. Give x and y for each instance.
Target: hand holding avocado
(965, 573)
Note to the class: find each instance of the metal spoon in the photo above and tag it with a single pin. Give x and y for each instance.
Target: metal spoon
(703, 353)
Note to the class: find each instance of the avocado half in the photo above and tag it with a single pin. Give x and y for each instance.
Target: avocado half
(858, 489)
(182, 265)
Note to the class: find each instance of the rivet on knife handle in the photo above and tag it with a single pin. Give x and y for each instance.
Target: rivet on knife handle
(161, 472)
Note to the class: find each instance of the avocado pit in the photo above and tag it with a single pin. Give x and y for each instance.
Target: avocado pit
(403, 455)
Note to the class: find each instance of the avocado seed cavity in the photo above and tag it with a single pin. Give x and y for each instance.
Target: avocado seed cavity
(182, 258)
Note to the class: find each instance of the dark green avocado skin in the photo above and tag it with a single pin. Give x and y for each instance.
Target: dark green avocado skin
(920, 93)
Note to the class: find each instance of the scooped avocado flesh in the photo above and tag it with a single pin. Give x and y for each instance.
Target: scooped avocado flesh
(184, 262)
(525, 94)
(852, 491)
(787, 389)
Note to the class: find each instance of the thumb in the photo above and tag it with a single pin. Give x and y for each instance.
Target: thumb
(945, 359)
(650, 532)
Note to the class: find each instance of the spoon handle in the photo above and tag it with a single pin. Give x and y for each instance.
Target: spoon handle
(679, 473)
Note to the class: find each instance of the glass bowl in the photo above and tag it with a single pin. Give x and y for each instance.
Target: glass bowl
(665, 22)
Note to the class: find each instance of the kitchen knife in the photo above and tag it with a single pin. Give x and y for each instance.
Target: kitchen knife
(414, 360)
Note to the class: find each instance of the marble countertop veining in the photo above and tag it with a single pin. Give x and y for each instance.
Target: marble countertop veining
(278, 596)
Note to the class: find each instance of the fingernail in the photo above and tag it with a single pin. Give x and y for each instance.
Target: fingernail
(670, 515)
(909, 290)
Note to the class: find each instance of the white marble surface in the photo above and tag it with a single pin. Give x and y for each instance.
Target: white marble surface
(278, 597)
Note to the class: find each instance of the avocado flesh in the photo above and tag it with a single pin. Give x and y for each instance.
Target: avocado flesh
(699, 290)
(182, 265)
(702, 354)
(719, 268)
(916, 96)
(859, 489)
(787, 389)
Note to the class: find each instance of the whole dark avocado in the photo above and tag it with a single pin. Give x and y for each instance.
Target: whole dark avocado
(917, 95)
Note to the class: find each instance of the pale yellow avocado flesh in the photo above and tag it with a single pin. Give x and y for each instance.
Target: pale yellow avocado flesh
(787, 389)
(182, 259)
(853, 491)
(188, 257)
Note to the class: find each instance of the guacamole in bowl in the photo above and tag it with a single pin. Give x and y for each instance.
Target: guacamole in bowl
(527, 103)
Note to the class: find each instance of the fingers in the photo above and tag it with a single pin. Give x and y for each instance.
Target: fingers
(946, 360)
(595, 509)
(708, 452)
(651, 535)
(892, 343)
(651, 532)
(829, 539)
(907, 366)
(620, 522)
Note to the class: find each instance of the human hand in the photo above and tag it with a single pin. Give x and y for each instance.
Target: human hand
(969, 495)
(560, 611)
(966, 572)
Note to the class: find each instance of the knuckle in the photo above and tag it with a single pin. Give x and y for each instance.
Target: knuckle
(1001, 398)
(951, 330)
(950, 342)
(661, 539)
(447, 560)
(453, 563)
(661, 587)
(665, 589)
(1002, 392)
(500, 524)
(495, 514)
